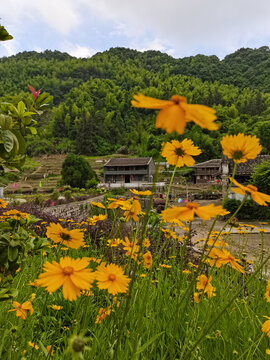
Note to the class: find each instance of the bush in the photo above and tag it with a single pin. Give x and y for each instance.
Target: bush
(249, 211)
(91, 184)
(76, 171)
(68, 194)
(55, 195)
(261, 177)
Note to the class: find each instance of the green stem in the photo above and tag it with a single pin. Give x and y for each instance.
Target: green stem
(170, 185)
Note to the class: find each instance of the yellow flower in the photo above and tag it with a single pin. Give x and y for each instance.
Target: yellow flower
(165, 266)
(98, 204)
(130, 246)
(187, 213)
(179, 153)
(203, 283)
(147, 259)
(257, 196)
(267, 351)
(70, 238)
(196, 297)
(49, 349)
(146, 243)
(186, 271)
(102, 314)
(115, 203)
(56, 307)
(93, 220)
(266, 326)
(3, 204)
(22, 309)
(112, 278)
(114, 242)
(222, 257)
(17, 215)
(141, 193)
(241, 147)
(267, 293)
(34, 346)
(69, 273)
(132, 209)
(175, 113)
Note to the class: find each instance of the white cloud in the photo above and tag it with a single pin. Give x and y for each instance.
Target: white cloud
(177, 26)
(77, 50)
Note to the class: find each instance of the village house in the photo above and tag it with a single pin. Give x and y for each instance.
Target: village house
(212, 171)
(129, 171)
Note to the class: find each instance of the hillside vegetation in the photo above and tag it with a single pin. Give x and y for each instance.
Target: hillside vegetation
(92, 114)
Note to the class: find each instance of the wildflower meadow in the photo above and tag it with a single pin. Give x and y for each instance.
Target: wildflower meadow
(126, 283)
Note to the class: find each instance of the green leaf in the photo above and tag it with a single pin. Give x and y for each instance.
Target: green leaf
(4, 35)
(149, 342)
(33, 130)
(21, 108)
(5, 122)
(12, 253)
(21, 142)
(8, 139)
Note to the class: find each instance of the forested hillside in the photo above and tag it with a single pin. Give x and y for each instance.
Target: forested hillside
(92, 114)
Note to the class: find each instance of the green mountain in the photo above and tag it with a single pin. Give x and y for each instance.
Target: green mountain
(92, 114)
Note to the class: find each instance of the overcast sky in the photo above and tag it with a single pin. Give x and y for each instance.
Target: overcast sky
(180, 28)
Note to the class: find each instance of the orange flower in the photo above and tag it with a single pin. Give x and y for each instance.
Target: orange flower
(98, 204)
(175, 113)
(179, 153)
(132, 209)
(257, 196)
(70, 238)
(130, 246)
(3, 204)
(147, 259)
(267, 293)
(94, 219)
(141, 193)
(22, 309)
(222, 257)
(112, 278)
(187, 213)
(203, 283)
(115, 203)
(240, 147)
(102, 314)
(266, 326)
(69, 273)
(17, 215)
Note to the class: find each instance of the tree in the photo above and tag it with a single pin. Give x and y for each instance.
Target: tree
(76, 171)
(261, 177)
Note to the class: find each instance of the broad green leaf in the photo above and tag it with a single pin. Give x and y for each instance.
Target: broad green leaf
(21, 142)
(21, 108)
(8, 139)
(5, 122)
(12, 253)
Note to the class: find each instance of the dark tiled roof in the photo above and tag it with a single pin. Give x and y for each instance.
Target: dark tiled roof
(128, 161)
(247, 167)
(208, 164)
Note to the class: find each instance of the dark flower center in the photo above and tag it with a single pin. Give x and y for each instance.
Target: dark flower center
(192, 205)
(179, 152)
(65, 237)
(237, 155)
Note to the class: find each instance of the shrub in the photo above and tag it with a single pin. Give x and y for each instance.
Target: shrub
(55, 195)
(249, 211)
(261, 177)
(91, 184)
(68, 194)
(76, 171)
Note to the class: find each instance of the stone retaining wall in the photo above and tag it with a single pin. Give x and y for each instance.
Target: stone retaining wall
(77, 209)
